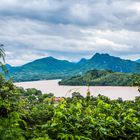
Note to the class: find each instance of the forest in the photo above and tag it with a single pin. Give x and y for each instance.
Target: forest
(101, 78)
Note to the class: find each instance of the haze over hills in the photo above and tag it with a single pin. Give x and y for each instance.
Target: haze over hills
(51, 68)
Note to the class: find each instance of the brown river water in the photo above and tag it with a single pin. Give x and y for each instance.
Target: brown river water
(51, 86)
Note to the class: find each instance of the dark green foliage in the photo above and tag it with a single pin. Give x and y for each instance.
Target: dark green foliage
(102, 78)
(77, 95)
(136, 81)
(51, 68)
(10, 109)
(77, 118)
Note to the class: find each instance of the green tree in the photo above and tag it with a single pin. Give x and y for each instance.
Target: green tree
(77, 95)
(136, 81)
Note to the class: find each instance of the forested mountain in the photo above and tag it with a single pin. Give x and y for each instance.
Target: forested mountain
(51, 68)
(101, 78)
(45, 68)
(107, 62)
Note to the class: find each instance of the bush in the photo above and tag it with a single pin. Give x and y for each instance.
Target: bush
(77, 118)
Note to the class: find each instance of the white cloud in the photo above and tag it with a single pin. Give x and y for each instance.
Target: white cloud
(69, 29)
(80, 11)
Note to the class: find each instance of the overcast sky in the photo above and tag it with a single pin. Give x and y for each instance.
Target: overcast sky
(69, 29)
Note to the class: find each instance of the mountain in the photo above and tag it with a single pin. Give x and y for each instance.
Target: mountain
(105, 61)
(49, 64)
(100, 78)
(45, 68)
(51, 68)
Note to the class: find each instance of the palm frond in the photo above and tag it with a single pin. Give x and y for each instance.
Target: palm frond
(2, 59)
(2, 53)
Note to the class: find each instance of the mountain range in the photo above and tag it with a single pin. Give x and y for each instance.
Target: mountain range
(52, 68)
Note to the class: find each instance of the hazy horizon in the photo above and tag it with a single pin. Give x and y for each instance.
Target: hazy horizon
(71, 60)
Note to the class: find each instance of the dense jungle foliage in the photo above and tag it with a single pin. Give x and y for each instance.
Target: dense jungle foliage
(31, 115)
(101, 78)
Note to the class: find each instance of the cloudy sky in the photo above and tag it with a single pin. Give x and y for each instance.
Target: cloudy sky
(69, 29)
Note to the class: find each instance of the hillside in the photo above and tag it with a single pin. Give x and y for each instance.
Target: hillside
(51, 68)
(107, 62)
(45, 68)
(100, 78)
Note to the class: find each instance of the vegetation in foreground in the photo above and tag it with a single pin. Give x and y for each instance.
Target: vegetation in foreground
(29, 114)
(102, 78)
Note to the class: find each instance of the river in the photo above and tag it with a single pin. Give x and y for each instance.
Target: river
(51, 86)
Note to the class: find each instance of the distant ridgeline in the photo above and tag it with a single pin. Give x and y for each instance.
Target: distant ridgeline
(51, 68)
(101, 78)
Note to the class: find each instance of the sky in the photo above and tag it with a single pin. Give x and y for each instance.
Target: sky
(69, 29)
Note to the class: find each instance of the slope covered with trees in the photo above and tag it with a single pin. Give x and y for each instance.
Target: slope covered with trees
(45, 68)
(101, 78)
